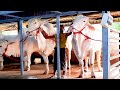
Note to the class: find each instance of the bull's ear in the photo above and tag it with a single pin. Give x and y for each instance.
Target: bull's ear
(90, 26)
(11, 42)
(6, 40)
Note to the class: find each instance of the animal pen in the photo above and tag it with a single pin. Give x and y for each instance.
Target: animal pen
(108, 68)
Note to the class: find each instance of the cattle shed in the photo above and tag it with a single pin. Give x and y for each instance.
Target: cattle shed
(12, 20)
(66, 20)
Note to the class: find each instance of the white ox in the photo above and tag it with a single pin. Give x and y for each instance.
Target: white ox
(46, 46)
(11, 46)
(69, 47)
(83, 45)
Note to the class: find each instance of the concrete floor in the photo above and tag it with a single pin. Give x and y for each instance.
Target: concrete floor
(12, 71)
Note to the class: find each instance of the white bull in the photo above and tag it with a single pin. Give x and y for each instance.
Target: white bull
(69, 47)
(11, 46)
(68, 52)
(46, 46)
(83, 45)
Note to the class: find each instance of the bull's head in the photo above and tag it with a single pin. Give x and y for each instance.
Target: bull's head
(35, 23)
(79, 23)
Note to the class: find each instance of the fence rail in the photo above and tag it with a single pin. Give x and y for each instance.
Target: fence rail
(114, 40)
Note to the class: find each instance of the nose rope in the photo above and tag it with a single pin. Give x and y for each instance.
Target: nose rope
(87, 37)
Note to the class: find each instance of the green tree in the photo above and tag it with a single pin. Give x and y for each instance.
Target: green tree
(116, 25)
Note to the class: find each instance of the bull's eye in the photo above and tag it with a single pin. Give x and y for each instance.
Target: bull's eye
(26, 26)
(35, 22)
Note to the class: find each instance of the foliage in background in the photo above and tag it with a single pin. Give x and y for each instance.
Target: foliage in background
(116, 25)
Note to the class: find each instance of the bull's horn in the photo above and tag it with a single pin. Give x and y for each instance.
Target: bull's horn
(90, 26)
(49, 19)
(6, 40)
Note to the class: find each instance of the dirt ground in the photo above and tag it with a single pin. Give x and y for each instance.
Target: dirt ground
(12, 71)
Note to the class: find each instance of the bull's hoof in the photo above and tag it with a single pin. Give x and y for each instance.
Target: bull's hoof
(46, 72)
(64, 77)
(27, 69)
(93, 77)
(80, 76)
(1, 68)
(100, 70)
(54, 77)
(68, 68)
(86, 70)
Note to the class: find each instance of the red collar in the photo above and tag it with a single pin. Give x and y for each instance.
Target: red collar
(79, 31)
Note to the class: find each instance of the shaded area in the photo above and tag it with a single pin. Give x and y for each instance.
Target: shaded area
(8, 60)
(36, 72)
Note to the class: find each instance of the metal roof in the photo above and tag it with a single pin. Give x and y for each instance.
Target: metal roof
(66, 17)
(9, 16)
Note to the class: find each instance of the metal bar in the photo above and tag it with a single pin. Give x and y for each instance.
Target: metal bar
(119, 46)
(115, 50)
(58, 47)
(117, 76)
(115, 68)
(27, 18)
(115, 38)
(75, 12)
(12, 16)
(57, 12)
(47, 16)
(114, 30)
(114, 65)
(105, 49)
(9, 20)
(111, 43)
(114, 57)
(8, 12)
(21, 46)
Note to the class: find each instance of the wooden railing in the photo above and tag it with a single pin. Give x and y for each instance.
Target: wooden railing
(114, 68)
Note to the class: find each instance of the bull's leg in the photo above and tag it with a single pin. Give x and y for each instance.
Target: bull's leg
(69, 65)
(77, 54)
(65, 70)
(46, 61)
(98, 60)
(92, 57)
(1, 63)
(86, 64)
(65, 64)
(53, 57)
(68, 57)
(27, 62)
(81, 63)
(25, 65)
